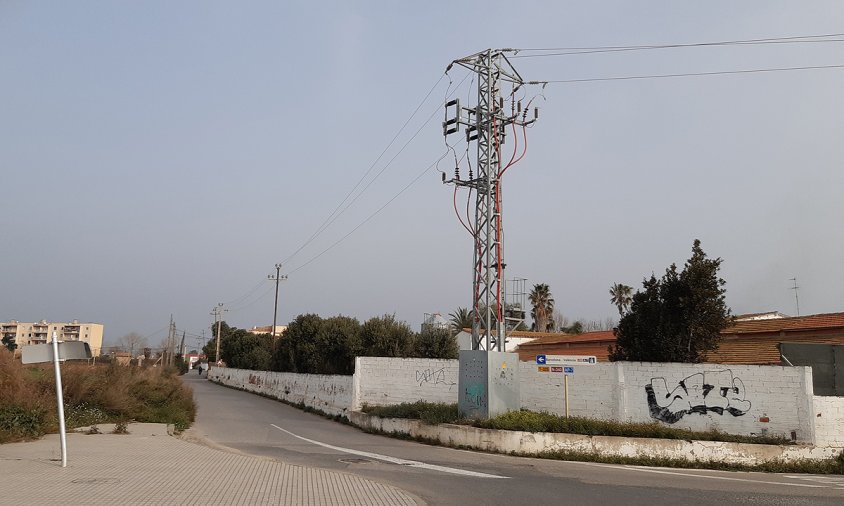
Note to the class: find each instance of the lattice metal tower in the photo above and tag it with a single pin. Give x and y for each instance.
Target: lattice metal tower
(486, 124)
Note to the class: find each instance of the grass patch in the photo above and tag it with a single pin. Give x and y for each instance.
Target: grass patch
(93, 394)
(428, 412)
(531, 421)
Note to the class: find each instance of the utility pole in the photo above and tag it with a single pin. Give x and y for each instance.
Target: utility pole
(487, 123)
(169, 345)
(796, 298)
(276, 278)
(218, 318)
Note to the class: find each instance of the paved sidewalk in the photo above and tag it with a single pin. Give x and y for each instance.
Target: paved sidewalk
(149, 467)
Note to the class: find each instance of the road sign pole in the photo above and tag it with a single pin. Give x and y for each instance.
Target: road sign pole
(566, 383)
(59, 398)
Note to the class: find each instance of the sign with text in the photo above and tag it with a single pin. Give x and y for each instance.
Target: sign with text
(561, 360)
(68, 350)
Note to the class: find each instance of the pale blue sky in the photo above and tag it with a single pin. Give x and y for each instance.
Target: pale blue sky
(159, 157)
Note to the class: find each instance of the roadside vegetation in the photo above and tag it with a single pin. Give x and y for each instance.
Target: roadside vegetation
(316, 345)
(543, 422)
(93, 394)
(530, 421)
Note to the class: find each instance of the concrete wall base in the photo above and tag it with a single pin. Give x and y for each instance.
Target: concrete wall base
(535, 443)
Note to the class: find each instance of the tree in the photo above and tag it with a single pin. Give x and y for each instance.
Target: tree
(461, 319)
(436, 343)
(559, 321)
(621, 297)
(543, 306)
(9, 343)
(339, 341)
(132, 342)
(677, 318)
(297, 349)
(384, 336)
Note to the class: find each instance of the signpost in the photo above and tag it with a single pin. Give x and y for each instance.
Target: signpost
(563, 364)
(67, 350)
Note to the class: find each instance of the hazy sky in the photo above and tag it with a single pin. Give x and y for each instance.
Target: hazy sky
(159, 157)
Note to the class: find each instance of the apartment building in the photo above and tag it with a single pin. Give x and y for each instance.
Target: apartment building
(25, 333)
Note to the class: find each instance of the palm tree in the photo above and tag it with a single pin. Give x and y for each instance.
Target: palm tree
(543, 306)
(622, 296)
(461, 319)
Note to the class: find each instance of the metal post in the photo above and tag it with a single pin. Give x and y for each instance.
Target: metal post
(566, 383)
(59, 398)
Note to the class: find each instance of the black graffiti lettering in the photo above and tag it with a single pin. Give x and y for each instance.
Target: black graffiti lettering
(692, 396)
(430, 375)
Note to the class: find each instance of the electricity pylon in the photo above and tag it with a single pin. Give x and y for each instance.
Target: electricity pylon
(486, 124)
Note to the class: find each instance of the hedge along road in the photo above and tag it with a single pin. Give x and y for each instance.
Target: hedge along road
(259, 426)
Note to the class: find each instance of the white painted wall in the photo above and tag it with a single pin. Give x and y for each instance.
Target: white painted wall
(829, 421)
(381, 381)
(332, 394)
(745, 400)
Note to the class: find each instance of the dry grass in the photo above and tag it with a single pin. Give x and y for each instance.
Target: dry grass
(92, 394)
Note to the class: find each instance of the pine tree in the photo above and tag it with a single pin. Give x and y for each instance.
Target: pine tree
(677, 318)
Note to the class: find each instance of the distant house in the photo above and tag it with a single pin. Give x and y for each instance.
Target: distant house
(752, 339)
(435, 321)
(756, 341)
(267, 329)
(589, 343)
(515, 338)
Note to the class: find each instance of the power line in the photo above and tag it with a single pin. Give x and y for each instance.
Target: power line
(258, 299)
(399, 152)
(564, 51)
(364, 222)
(331, 217)
(246, 295)
(687, 74)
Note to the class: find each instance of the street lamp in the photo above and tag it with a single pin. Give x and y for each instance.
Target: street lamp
(276, 278)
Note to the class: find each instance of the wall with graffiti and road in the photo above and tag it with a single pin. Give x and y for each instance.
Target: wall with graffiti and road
(745, 400)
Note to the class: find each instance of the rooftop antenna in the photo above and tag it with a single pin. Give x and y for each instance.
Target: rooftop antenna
(796, 298)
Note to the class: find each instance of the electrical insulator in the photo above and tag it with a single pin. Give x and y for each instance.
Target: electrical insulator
(443, 177)
(519, 106)
(457, 173)
(536, 113)
(470, 174)
(501, 102)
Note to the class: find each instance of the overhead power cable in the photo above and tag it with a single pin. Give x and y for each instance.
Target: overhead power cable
(374, 214)
(334, 214)
(564, 51)
(258, 299)
(688, 74)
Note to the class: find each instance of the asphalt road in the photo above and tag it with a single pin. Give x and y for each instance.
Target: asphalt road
(259, 426)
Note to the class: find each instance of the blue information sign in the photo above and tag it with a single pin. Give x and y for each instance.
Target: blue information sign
(540, 359)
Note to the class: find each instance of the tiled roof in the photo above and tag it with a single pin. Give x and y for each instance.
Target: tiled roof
(587, 337)
(797, 323)
(745, 342)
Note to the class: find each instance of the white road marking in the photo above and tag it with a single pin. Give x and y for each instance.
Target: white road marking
(724, 478)
(836, 481)
(393, 460)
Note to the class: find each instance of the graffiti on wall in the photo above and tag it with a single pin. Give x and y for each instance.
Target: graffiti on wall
(435, 376)
(701, 393)
(475, 395)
